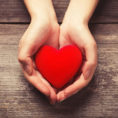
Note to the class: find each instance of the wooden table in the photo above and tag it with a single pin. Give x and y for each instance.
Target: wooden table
(19, 99)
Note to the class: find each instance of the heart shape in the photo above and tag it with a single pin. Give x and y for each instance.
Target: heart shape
(58, 66)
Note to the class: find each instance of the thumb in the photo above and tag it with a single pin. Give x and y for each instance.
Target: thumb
(87, 70)
(90, 62)
(26, 64)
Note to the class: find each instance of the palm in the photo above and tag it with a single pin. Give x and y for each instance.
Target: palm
(81, 37)
(35, 37)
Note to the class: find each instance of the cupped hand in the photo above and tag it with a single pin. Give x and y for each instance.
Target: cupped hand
(40, 32)
(79, 35)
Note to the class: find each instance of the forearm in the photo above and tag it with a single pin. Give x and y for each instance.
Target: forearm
(40, 8)
(82, 10)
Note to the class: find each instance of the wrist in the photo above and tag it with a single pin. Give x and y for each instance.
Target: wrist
(76, 21)
(44, 18)
(72, 15)
(80, 10)
(41, 20)
(40, 23)
(40, 9)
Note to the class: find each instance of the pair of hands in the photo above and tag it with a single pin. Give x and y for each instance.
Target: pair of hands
(45, 30)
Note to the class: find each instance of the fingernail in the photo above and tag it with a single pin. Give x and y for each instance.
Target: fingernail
(87, 74)
(62, 98)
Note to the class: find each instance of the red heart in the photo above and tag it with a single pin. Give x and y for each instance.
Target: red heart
(58, 66)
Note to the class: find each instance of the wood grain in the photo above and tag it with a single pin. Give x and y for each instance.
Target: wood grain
(19, 99)
(14, 11)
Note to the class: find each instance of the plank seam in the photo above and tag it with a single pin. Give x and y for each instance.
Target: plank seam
(58, 22)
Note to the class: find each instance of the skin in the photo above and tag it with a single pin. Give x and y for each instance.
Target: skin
(44, 29)
(74, 30)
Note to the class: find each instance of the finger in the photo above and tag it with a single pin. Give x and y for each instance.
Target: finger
(31, 41)
(91, 60)
(24, 57)
(72, 89)
(41, 85)
(37, 82)
(30, 73)
(26, 51)
(53, 96)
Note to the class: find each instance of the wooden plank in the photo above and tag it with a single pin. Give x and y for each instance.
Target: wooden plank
(103, 33)
(106, 12)
(19, 99)
(14, 11)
